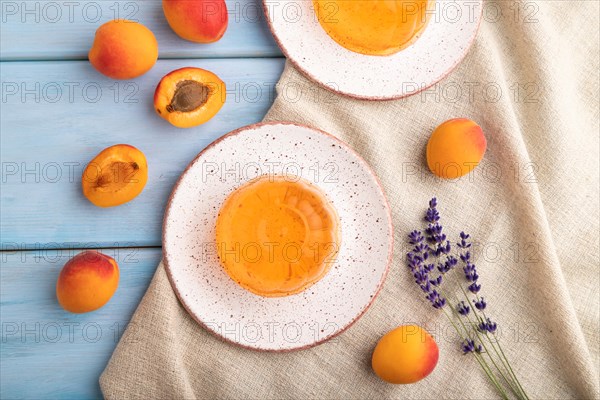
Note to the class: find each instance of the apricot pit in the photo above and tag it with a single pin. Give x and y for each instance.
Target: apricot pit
(189, 96)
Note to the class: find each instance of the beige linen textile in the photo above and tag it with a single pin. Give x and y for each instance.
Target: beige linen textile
(532, 208)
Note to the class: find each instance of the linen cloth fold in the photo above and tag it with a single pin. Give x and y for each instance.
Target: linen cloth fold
(531, 206)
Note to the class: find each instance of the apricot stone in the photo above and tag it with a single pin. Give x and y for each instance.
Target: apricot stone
(115, 176)
(455, 148)
(200, 21)
(189, 96)
(87, 282)
(123, 49)
(405, 355)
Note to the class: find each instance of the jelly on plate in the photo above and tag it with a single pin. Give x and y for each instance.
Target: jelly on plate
(373, 27)
(277, 236)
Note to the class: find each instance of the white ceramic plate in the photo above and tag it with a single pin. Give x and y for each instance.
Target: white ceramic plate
(443, 44)
(324, 309)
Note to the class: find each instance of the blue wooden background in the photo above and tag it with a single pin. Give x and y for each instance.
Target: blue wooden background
(56, 113)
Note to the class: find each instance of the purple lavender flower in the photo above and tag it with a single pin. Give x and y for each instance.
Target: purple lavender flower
(435, 299)
(465, 257)
(451, 261)
(480, 304)
(432, 215)
(469, 268)
(463, 244)
(472, 276)
(468, 346)
(443, 268)
(415, 237)
(439, 303)
(434, 231)
(437, 281)
(462, 308)
(420, 277)
(487, 326)
(474, 287)
(434, 244)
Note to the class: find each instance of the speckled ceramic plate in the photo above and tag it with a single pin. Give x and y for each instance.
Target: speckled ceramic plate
(443, 44)
(278, 323)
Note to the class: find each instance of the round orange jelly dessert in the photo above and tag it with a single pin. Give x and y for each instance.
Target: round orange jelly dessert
(373, 27)
(276, 237)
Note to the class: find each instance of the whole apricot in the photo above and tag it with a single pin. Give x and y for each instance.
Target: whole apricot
(455, 148)
(189, 96)
(406, 354)
(87, 282)
(200, 21)
(115, 176)
(123, 49)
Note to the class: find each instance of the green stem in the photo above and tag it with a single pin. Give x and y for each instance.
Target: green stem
(481, 361)
(489, 355)
(507, 363)
(515, 386)
(511, 380)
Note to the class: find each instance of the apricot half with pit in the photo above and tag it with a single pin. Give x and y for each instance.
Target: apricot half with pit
(189, 96)
(115, 176)
(455, 148)
(123, 49)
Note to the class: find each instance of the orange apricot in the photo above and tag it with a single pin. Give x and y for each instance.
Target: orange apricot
(373, 27)
(189, 96)
(455, 148)
(200, 21)
(123, 49)
(87, 282)
(406, 354)
(115, 176)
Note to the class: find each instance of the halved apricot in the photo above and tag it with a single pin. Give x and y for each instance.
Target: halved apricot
(115, 176)
(189, 96)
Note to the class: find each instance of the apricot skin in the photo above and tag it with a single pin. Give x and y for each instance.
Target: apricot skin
(455, 148)
(115, 176)
(87, 282)
(406, 354)
(200, 21)
(123, 49)
(167, 87)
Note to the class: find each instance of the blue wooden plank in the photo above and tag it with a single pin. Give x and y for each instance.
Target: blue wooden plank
(56, 116)
(47, 352)
(59, 30)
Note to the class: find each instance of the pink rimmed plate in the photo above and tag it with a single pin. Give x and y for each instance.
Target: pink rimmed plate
(282, 323)
(451, 30)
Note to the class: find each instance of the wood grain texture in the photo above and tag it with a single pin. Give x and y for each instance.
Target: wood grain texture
(64, 30)
(56, 116)
(47, 352)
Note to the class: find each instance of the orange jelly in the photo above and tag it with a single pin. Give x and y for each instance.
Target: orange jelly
(276, 237)
(373, 27)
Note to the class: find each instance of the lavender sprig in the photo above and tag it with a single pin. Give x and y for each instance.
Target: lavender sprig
(429, 261)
